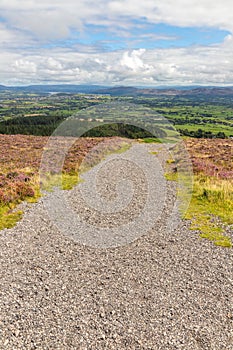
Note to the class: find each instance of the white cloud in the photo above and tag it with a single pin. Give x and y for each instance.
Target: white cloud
(179, 12)
(199, 65)
(30, 23)
(133, 60)
(24, 66)
(52, 19)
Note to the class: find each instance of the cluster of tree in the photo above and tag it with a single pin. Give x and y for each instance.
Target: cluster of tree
(35, 125)
(196, 121)
(46, 125)
(124, 130)
(202, 134)
(43, 125)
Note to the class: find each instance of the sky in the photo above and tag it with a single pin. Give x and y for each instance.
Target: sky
(119, 42)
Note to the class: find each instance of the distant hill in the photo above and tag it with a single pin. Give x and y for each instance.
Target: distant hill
(131, 91)
(54, 88)
(121, 90)
(3, 88)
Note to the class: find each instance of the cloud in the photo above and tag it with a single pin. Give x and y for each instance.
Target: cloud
(179, 12)
(49, 20)
(195, 65)
(133, 61)
(33, 36)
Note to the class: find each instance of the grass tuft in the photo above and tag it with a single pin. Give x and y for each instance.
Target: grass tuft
(8, 218)
(170, 161)
(211, 206)
(171, 176)
(150, 140)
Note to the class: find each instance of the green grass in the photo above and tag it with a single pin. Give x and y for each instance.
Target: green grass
(69, 181)
(218, 239)
(210, 207)
(63, 181)
(170, 161)
(217, 194)
(124, 147)
(207, 127)
(171, 176)
(9, 218)
(150, 140)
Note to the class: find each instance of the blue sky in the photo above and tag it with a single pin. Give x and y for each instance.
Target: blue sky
(142, 35)
(116, 42)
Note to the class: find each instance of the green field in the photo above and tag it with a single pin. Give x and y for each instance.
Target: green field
(195, 116)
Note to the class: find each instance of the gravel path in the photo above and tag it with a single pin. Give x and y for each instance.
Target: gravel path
(110, 288)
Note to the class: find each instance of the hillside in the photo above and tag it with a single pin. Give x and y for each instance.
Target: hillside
(120, 90)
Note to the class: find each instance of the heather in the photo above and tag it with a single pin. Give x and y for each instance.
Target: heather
(22, 170)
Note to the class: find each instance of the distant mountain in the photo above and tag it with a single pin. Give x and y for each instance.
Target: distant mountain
(53, 88)
(3, 88)
(121, 90)
(210, 91)
(60, 88)
(132, 91)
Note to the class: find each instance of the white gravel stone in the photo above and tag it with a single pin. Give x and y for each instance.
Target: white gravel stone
(164, 290)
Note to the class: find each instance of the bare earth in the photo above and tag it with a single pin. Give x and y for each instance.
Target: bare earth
(162, 290)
